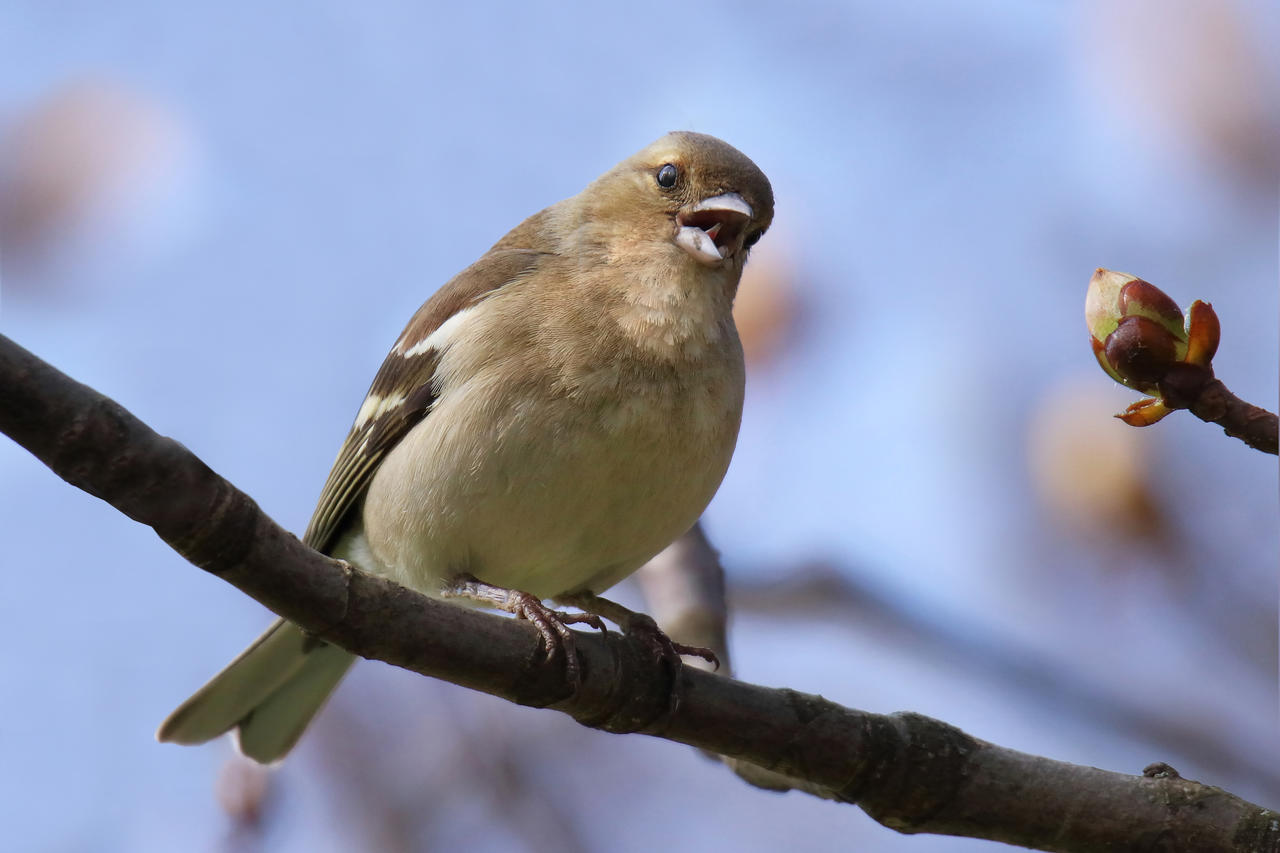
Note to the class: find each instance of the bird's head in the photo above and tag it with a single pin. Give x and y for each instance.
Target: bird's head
(686, 190)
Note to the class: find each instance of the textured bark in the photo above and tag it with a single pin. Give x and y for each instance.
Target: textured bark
(1195, 388)
(909, 772)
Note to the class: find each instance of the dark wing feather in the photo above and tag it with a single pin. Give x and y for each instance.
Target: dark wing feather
(411, 378)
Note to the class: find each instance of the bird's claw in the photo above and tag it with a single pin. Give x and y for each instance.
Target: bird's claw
(643, 628)
(552, 624)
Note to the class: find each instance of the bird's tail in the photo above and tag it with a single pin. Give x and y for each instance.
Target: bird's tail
(269, 694)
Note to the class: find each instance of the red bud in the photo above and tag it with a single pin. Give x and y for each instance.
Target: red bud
(1144, 299)
(1203, 332)
(1141, 351)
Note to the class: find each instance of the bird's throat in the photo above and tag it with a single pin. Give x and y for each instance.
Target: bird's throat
(682, 313)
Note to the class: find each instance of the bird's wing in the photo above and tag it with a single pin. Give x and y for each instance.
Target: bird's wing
(404, 388)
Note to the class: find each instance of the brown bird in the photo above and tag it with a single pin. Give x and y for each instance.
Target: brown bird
(554, 416)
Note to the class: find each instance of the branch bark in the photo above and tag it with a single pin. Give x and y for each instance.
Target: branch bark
(1195, 388)
(685, 592)
(909, 772)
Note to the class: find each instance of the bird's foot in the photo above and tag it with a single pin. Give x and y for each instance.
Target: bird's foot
(642, 627)
(552, 624)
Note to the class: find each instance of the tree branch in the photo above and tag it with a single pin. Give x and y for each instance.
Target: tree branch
(1195, 388)
(907, 771)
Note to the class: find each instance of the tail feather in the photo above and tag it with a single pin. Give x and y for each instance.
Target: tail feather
(271, 691)
(272, 728)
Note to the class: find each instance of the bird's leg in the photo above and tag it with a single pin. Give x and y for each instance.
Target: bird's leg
(551, 624)
(638, 625)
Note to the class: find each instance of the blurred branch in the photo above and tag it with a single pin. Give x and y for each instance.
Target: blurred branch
(684, 588)
(396, 784)
(1141, 340)
(821, 591)
(685, 592)
(909, 772)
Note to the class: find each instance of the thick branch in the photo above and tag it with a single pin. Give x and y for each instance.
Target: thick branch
(909, 772)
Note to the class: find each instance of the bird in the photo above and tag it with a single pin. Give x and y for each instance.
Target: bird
(550, 419)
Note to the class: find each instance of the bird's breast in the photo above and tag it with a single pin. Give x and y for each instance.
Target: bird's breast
(552, 474)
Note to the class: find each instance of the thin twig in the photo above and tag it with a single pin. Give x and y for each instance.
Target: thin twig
(1195, 388)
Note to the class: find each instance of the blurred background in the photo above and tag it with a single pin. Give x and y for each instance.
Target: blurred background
(222, 215)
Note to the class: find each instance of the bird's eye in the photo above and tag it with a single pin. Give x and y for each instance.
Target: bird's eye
(667, 176)
(752, 239)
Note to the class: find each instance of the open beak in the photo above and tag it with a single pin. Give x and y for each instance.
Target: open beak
(712, 229)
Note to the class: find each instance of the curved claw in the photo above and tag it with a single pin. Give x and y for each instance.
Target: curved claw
(698, 652)
(555, 633)
(642, 627)
(552, 624)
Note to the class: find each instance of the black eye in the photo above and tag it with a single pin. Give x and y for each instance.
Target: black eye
(667, 176)
(752, 239)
